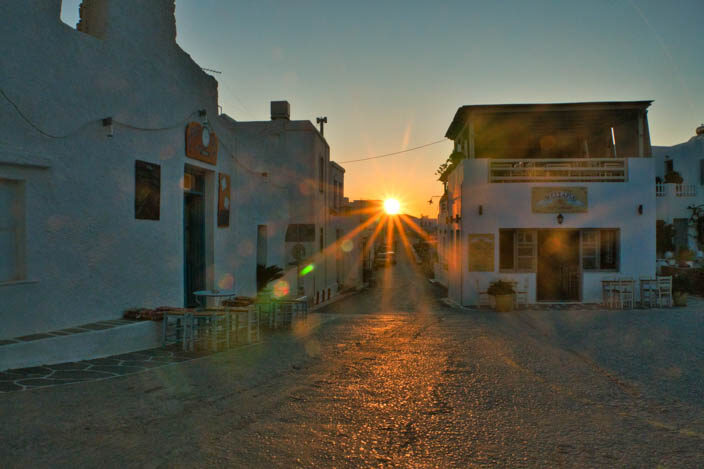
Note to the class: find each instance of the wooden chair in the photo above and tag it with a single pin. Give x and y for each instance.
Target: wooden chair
(626, 296)
(648, 292)
(664, 291)
(483, 297)
(522, 293)
(610, 292)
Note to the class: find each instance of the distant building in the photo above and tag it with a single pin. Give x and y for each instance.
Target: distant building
(679, 172)
(555, 197)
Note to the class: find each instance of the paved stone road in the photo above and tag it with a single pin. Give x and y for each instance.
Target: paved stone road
(388, 378)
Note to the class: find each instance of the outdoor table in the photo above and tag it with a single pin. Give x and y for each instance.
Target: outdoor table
(212, 315)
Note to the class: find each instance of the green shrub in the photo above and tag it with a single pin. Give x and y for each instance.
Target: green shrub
(500, 287)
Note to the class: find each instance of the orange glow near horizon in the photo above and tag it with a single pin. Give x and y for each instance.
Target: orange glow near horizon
(392, 206)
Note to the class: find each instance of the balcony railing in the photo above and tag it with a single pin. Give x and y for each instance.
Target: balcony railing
(558, 170)
(679, 190)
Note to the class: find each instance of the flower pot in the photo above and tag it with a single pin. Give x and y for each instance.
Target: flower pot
(504, 303)
(679, 298)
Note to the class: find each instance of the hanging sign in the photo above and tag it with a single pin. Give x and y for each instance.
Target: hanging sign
(481, 252)
(559, 199)
(201, 143)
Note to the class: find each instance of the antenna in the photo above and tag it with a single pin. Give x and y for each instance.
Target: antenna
(322, 121)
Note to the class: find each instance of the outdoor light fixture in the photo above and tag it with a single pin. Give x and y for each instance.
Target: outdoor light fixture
(560, 219)
(107, 123)
(481, 210)
(640, 209)
(205, 132)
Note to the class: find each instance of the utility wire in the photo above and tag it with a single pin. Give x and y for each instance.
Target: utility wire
(394, 153)
(123, 124)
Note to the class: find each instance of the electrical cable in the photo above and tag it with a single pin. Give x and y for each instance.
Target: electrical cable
(123, 124)
(393, 153)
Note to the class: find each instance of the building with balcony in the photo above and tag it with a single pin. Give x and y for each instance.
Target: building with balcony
(552, 196)
(679, 183)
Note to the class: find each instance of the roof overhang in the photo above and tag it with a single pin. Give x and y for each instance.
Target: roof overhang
(463, 113)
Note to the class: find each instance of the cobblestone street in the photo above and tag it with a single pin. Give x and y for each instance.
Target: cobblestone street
(392, 377)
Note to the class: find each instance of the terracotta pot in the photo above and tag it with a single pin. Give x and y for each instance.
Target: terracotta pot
(679, 298)
(504, 303)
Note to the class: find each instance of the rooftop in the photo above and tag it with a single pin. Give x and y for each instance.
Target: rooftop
(460, 119)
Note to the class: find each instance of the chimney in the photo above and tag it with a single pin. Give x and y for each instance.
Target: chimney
(280, 110)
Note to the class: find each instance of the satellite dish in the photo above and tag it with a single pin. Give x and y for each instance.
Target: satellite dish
(299, 252)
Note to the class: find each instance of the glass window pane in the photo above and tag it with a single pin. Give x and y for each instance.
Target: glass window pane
(506, 249)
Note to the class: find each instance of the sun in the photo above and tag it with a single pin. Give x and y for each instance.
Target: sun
(392, 206)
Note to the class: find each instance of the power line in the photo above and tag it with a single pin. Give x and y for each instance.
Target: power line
(394, 153)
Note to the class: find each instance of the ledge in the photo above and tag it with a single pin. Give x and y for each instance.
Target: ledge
(14, 157)
(12, 283)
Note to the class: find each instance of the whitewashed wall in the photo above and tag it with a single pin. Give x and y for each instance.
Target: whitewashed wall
(88, 258)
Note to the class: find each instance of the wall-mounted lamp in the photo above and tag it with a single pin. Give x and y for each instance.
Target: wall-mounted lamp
(203, 114)
(481, 210)
(640, 209)
(560, 219)
(107, 123)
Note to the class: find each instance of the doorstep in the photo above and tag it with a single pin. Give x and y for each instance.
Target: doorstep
(93, 340)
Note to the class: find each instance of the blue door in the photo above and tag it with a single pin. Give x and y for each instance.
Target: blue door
(194, 236)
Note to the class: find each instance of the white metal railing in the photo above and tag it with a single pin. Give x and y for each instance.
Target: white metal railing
(685, 190)
(559, 169)
(680, 190)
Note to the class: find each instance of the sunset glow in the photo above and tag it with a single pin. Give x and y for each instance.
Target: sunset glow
(392, 206)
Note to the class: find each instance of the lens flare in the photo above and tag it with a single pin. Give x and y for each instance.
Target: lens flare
(307, 269)
(392, 206)
(281, 288)
(347, 245)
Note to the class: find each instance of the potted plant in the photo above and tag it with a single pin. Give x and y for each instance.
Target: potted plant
(673, 177)
(684, 257)
(680, 288)
(503, 294)
(266, 275)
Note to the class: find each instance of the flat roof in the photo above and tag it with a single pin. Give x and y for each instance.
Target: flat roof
(463, 112)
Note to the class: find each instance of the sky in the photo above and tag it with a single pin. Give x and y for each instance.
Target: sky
(390, 75)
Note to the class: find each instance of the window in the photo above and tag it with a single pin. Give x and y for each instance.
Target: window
(701, 172)
(262, 238)
(321, 239)
(300, 233)
(147, 190)
(590, 248)
(517, 250)
(669, 166)
(12, 267)
(600, 249)
(506, 247)
(322, 174)
(526, 242)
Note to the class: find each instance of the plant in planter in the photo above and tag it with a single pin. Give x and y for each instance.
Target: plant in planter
(503, 294)
(266, 275)
(684, 255)
(673, 177)
(681, 286)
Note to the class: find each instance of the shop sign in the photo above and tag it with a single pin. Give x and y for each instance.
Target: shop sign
(559, 199)
(481, 252)
(201, 143)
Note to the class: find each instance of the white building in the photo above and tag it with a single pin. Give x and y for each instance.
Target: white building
(121, 187)
(673, 199)
(296, 159)
(553, 196)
